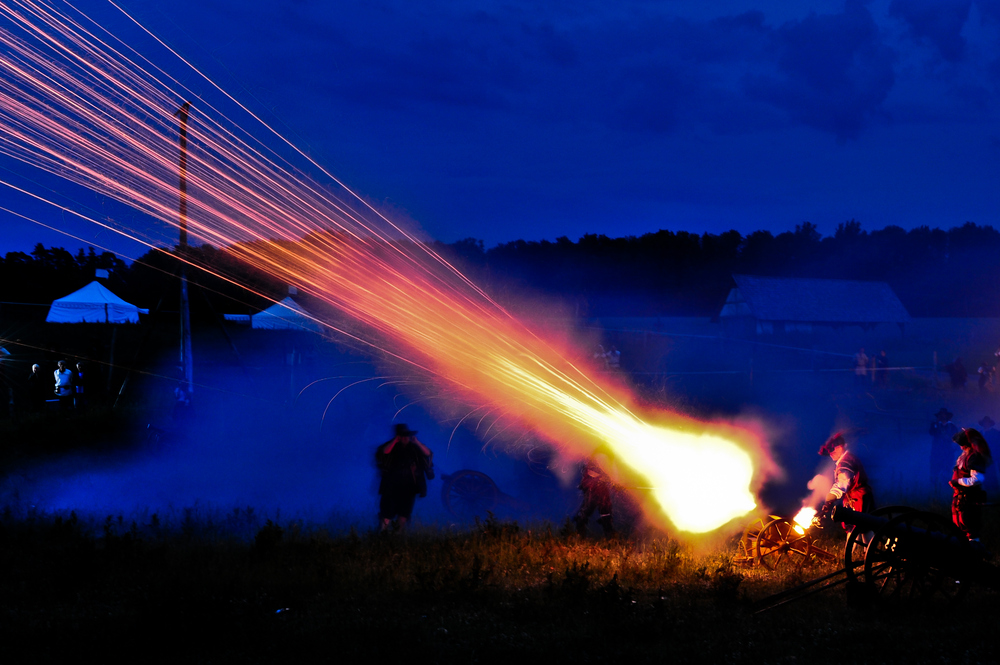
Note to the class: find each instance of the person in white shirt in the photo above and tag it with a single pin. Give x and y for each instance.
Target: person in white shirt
(64, 384)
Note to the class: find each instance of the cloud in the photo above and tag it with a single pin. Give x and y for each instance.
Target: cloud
(637, 67)
(833, 71)
(421, 73)
(939, 22)
(989, 10)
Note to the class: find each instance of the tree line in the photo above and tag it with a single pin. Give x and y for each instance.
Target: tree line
(934, 272)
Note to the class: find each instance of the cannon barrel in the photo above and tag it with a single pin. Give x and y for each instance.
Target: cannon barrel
(867, 522)
(956, 544)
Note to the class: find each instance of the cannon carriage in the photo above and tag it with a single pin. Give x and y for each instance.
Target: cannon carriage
(900, 554)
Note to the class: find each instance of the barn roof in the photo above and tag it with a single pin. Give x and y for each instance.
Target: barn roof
(814, 300)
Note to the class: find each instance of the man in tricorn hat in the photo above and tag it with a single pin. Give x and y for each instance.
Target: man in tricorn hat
(990, 432)
(405, 465)
(850, 482)
(942, 431)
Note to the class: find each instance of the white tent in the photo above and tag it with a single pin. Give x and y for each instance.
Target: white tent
(284, 315)
(93, 304)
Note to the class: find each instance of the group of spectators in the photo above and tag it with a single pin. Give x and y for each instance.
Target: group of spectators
(985, 373)
(988, 373)
(64, 384)
(874, 368)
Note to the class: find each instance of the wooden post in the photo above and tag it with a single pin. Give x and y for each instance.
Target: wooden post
(185, 351)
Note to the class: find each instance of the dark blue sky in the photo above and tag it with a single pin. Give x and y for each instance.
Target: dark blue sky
(521, 119)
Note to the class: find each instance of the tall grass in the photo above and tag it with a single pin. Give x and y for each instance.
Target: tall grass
(158, 590)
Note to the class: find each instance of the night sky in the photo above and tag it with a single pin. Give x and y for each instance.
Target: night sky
(511, 119)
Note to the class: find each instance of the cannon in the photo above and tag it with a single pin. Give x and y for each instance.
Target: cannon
(774, 542)
(899, 553)
(915, 554)
(468, 494)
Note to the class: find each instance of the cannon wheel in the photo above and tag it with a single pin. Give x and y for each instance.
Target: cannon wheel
(468, 494)
(854, 549)
(899, 569)
(746, 551)
(778, 542)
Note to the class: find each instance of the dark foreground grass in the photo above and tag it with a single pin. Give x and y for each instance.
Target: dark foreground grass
(498, 594)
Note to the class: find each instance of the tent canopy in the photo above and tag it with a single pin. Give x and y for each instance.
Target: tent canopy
(284, 315)
(93, 304)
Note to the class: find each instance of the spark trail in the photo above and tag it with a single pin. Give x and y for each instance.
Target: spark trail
(77, 102)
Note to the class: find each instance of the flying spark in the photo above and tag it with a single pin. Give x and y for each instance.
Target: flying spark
(77, 102)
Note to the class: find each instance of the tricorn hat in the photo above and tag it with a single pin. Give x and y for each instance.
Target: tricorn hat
(831, 443)
(986, 422)
(945, 413)
(965, 437)
(401, 429)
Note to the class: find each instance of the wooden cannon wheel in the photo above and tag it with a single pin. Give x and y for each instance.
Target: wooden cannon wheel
(746, 550)
(778, 543)
(467, 494)
(900, 567)
(854, 549)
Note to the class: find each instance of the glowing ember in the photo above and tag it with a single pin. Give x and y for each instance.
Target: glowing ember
(803, 520)
(73, 105)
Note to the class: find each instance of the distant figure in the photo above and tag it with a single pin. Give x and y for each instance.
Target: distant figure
(406, 465)
(992, 436)
(601, 355)
(64, 385)
(942, 432)
(985, 373)
(860, 367)
(13, 391)
(850, 482)
(596, 487)
(882, 369)
(957, 373)
(182, 405)
(989, 431)
(967, 483)
(38, 389)
(79, 388)
(613, 358)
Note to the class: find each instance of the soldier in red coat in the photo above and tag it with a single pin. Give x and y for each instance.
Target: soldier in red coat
(967, 483)
(850, 482)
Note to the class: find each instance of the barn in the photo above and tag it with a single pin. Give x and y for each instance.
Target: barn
(774, 305)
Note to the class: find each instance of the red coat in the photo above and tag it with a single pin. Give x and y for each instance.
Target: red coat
(857, 489)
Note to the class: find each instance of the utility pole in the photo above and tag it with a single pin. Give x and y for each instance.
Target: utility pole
(185, 357)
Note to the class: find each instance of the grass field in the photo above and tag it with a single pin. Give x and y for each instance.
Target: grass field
(499, 593)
